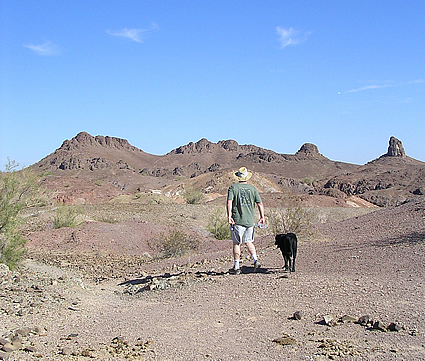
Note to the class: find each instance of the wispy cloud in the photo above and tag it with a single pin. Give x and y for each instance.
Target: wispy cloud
(136, 35)
(368, 87)
(290, 36)
(417, 81)
(45, 49)
(385, 85)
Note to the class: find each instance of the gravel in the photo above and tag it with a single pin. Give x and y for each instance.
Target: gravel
(68, 306)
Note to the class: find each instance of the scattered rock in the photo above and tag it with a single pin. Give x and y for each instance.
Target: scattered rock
(346, 319)
(394, 327)
(4, 355)
(334, 348)
(365, 320)
(66, 351)
(285, 340)
(24, 332)
(330, 320)
(414, 332)
(378, 325)
(4, 271)
(14, 341)
(8, 347)
(30, 348)
(419, 191)
(120, 346)
(298, 315)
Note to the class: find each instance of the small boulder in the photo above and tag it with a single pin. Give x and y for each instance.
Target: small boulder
(378, 325)
(365, 320)
(285, 340)
(24, 331)
(66, 351)
(4, 356)
(4, 271)
(30, 349)
(8, 348)
(394, 327)
(330, 320)
(346, 319)
(298, 315)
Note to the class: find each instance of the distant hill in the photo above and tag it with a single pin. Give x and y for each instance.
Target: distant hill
(112, 162)
(387, 180)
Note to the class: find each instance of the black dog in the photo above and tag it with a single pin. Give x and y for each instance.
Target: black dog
(288, 246)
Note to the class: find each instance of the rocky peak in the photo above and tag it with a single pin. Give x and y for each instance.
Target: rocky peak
(84, 139)
(395, 148)
(229, 144)
(201, 146)
(308, 150)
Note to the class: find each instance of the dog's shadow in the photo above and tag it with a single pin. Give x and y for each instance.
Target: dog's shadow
(264, 270)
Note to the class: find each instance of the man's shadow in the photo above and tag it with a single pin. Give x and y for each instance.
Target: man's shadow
(199, 274)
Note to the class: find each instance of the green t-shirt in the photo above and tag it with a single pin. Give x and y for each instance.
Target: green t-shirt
(244, 197)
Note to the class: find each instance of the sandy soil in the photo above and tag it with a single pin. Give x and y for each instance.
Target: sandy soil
(95, 305)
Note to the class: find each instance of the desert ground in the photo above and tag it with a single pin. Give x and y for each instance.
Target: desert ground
(98, 291)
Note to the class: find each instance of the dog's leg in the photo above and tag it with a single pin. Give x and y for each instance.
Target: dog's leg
(287, 266)
(294, 255)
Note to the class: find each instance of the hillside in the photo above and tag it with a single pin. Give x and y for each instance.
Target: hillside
(387, 180)
(93, 169)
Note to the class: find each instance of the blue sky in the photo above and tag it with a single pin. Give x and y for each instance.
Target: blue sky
(344, 75)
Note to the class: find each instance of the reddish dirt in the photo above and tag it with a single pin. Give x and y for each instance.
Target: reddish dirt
(86, 296)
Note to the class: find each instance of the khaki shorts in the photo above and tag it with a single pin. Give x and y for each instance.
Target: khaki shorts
(242, 234)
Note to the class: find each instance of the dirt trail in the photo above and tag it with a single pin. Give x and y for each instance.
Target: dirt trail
(197, 311)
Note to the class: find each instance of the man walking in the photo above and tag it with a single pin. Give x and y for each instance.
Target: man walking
(241, 200)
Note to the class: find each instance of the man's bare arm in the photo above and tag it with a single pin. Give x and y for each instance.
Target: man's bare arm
(261, 210)
(229, 211)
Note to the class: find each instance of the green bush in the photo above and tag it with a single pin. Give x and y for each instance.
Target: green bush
(218, 224)
(66, 216)
(309, 181)
(12, 248)
(292, 219)
(192, 196)
(174, 244)
(18, 190)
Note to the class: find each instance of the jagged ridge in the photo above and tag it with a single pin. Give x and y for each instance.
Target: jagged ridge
(386, 180)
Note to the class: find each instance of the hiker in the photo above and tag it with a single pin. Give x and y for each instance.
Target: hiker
(241, 200)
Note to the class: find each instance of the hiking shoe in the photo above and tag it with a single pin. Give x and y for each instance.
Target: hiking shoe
(257, 266)
(235, 271)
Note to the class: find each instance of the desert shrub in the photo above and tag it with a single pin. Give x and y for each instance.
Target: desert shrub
(66, 216)
(192, 196)
(292, 219)
(18, 190)
(12, 247)
(309, 181)
(106, 218)
(218, 224)
(174, 243)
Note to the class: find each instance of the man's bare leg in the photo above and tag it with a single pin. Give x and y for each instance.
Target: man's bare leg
(253, 252)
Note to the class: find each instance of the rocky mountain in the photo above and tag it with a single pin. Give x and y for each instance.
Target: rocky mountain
(109, 163)
(85, 152)
(387, 180)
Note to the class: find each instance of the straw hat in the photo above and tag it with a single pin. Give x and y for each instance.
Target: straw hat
(242, 174)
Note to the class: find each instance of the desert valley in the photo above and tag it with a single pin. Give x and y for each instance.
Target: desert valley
(106, 288)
